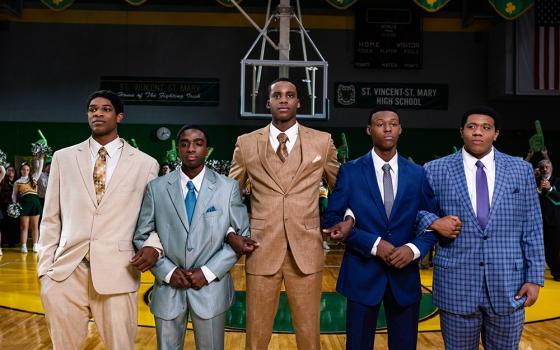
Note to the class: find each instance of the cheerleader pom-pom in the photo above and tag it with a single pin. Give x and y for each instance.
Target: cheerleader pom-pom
(4, 159)
(40, 149)
(14, 210)
(176, 163)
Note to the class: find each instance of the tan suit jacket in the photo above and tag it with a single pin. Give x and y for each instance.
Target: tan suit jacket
(282, 216)
(73, 223)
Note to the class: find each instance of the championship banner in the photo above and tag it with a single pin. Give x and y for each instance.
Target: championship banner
(511, 9)
(388, 36)
(431, 5)
(57, 5)
(396, 95)
(164, 91)
(341, 4)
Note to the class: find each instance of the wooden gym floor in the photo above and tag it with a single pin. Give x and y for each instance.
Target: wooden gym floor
(22, 324)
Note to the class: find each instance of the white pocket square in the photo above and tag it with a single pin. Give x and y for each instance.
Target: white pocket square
(317, 158)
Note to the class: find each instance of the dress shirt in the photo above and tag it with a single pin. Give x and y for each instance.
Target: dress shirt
(469, 164)
(197, 182)
(114, 151)
(292, 134)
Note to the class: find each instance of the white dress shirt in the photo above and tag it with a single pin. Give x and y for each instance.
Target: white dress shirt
(469, 164)
(197, 182)
(114, 151)
(292, 134)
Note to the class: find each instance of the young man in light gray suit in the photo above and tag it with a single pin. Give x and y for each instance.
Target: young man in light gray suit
(192, 209)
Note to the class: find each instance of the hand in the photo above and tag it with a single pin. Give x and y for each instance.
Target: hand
(545, 185)
(448, 226)
(384, 250)
(179, 279)
(145, 258)
(531, 290)
(241, 244)
(196, 278)
(401, 257)
(340, 232)
(529, 155)
(544, 153)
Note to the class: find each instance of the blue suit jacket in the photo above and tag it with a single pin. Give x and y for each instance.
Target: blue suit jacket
(508, 253)
(363, 278)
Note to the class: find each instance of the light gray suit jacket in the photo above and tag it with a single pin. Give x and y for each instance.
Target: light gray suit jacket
(218, 207)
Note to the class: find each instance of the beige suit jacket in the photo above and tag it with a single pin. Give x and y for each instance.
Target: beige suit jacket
(281, 216)
(73, 223)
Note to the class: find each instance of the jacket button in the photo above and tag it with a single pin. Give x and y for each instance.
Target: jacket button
(485, 237)
(481, 263)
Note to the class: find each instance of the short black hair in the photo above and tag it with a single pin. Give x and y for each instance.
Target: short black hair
(382, 109)
(111, 96)
(164, 164)
(195, 127)
(484, 110)
(282, 79)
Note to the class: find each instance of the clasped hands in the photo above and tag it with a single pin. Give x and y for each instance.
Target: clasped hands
(182, 278)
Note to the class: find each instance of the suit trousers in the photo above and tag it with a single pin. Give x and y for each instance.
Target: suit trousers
(402, 323)
(304, 296)
(208, 334)
(499, 332)
(69, 303)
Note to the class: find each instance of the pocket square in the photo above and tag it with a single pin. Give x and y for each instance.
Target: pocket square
(211, 209)
(515, 190)
(317, 158)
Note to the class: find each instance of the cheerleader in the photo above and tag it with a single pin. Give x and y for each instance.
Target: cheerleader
(2, 174)
(25, 193)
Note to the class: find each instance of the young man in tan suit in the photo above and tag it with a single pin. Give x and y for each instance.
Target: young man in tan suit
(93, 199)
(284, 162)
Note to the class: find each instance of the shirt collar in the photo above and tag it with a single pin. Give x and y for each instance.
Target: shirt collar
(470, 160)
(197, 181)
(378, 162)
(291, 132)
(111, 148)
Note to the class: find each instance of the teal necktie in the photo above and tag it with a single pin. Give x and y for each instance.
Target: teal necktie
(190, 201)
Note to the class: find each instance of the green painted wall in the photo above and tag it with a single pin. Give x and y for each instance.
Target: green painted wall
(420, 144)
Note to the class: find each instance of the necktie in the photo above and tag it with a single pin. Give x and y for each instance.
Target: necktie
(100, 173)
(190, 201)
(387, 189)
(282, 150)
(482, 200)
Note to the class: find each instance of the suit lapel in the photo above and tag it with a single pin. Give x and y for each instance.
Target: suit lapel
(262, 144)
(457, 172)
(83, 157)
(499, 183)
(120, 173)
(306, 154)
(176, 195)
(371, 180)
(206, 193)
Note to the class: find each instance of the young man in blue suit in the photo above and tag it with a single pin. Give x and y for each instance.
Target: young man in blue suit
(192, 209)
(490, 268)
(384, 193)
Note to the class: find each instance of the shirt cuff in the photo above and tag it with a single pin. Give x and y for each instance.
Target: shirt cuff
(414, 249)
(168, 276)
(209, 275)
(374, 248)
(349, 212)
(230, 229)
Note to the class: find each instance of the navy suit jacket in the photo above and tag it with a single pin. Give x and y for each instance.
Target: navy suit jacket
(363, 277)
(506, 254)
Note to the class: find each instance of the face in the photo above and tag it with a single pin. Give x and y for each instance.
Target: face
(545, 169)
(384, 129)
(24, 170)
(479, 133)
(193, 149)
(102, 118)
(283, 101)
(11, 173)
(166, 169)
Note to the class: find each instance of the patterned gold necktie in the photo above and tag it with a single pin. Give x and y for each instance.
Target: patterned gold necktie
(282, 150)
(100, 173)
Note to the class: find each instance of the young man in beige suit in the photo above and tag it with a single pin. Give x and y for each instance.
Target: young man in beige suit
(93, 199)
(284, 162)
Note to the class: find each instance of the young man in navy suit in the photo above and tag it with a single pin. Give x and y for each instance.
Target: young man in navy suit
(384, 193)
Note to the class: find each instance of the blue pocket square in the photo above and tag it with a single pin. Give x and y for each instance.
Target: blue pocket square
(211, 209)
(515, 190)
